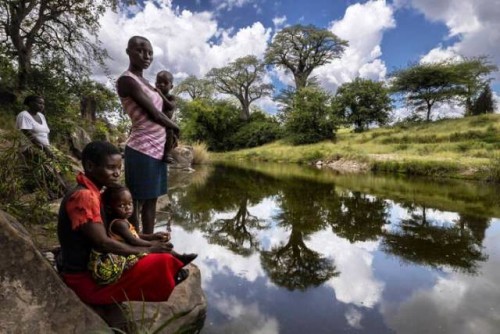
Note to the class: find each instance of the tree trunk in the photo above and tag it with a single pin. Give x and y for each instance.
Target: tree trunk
(88, 107)
(245, 111)
(300, 80)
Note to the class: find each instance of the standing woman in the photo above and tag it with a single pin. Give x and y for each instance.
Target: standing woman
(33, 124)
(145, 172)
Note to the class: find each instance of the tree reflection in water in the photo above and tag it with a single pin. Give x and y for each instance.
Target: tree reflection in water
(306, 206)
(419, 240)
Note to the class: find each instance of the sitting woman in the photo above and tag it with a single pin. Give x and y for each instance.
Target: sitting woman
(81, 228)
(33, 124)
(107, 268)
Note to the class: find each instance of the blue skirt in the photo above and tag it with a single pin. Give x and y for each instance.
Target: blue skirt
(146, 177)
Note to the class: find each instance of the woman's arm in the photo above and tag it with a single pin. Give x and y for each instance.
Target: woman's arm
(128, 87)
(96, 234)
(37, 143)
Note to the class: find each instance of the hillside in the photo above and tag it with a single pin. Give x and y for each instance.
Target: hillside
(454, 148)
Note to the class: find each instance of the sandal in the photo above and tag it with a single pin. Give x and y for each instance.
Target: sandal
(182, 274)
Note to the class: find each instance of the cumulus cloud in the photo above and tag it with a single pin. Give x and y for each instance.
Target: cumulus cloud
(458, 303)
(363, 26)
(475, 24)
(184, 42)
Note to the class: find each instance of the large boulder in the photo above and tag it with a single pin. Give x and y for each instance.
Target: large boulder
(184, 312)
(79, 138)
(33, 298)
(183, 156)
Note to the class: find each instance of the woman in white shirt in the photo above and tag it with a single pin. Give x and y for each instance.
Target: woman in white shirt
(33, 123)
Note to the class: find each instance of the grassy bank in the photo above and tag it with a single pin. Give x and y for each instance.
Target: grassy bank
(466, 148)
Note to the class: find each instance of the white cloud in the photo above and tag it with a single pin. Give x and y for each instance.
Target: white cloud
(230, 4)
(356, 283)
(279, 21)
(476, 25)
(184, 42)
(459, 303)
(362, 26)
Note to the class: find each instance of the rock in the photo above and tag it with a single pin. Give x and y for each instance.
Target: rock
(33, 299)
(184, 312)
(78, 139)
(183, 156)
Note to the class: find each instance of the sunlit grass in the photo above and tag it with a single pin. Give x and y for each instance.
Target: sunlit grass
(463, 147)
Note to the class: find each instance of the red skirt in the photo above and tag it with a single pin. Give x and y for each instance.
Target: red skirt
(151, 279)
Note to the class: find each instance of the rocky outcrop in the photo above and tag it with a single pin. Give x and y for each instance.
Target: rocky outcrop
(33, 299)
(79, 138)
(184, 312)
(183, 156)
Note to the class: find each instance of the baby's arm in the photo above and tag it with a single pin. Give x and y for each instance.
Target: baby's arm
(121, 228)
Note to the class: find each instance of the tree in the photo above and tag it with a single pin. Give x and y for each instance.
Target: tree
(59, 32)
(300, 49)
(308, 116)
(424, 85)
(362, 102)
(243, 79)
(484, 104)
(195, 88)
(473, 74)
(427, 84)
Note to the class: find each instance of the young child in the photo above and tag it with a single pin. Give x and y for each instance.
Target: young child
(118, 205)
(164, 84)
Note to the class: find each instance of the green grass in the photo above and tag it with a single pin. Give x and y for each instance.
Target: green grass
(456, 148)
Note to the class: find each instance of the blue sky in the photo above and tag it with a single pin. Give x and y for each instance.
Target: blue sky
(192, 36)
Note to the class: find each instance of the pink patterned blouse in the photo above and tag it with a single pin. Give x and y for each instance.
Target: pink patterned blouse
(145, 136)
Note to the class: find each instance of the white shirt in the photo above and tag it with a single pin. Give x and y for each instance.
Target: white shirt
(40, 131)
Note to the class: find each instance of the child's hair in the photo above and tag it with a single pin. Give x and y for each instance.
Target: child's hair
(112, 193)
(169, 75)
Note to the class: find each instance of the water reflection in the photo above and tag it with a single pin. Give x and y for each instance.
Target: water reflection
(276, 241)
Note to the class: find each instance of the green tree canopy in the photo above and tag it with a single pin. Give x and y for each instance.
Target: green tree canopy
(243, 79)
(362, 102)
(195, 88)
(484, 104)
(424, 85)
(308, 116)
(300, 49)
(474, 77)
(59, 32)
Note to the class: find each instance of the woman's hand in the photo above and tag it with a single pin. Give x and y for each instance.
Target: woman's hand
(163, 236)
(159, 246)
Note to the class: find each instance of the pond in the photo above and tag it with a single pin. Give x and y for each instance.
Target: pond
(290, 249)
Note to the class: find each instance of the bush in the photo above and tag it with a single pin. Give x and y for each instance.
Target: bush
(211, 122)
(256, 133)
(308, 117)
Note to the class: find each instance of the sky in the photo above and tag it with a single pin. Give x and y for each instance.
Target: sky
(190, 37)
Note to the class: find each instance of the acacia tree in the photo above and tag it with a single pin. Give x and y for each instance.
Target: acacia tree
(362, 102)
(243, 79)
(195, 88)
(427, 84)
(56, 31)
(424, 85)
(300, 49)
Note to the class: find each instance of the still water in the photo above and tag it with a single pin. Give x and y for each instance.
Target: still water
(289, 249)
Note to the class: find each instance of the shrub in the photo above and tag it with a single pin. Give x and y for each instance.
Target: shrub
(256, 133)
(200, 153)
(309, 117)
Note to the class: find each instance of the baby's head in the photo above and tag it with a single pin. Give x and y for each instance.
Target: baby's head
(118, 202)
(164, 81)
